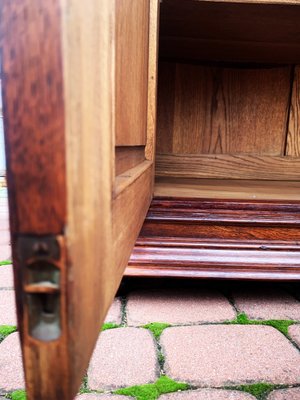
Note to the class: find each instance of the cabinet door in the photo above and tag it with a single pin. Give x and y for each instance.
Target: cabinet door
(79, 184)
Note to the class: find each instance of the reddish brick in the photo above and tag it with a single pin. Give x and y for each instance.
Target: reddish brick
(6, 276)
(94, 396)
(11, 371)
(294, 333)
(178, 307)
(7, 308)
(208, 394)
(218, 355)
(123, 357)
(114, 314)
(285, 394)
(267, 304)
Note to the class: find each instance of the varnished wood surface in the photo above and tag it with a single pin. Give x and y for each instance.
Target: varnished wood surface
(152, 79)
(230, 31)
(33, 116)
(218, 239)
(221, 110)
(293, 138)
(229, 166)
(127, 157)
(227, 189)
(132, 38)
(98, 224)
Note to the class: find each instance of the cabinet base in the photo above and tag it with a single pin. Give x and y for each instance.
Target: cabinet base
(201, 238)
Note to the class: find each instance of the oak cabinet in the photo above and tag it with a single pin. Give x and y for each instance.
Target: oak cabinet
(163, 134)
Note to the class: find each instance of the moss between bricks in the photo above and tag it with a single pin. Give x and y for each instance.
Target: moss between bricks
(109, 325)
(5, 262)
(281, 325)
(156, 328)
(260, 390)
(17, 395)
(6, 330)
(152, 391)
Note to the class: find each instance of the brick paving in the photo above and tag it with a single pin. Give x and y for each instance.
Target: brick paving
(271, 303)
(178, 307)
(115, 351)
(208, 394)
(197, 348)
(285, 394)
(294, 333)
(6, 276)
(93, 396)
(11, 374)
(114, 314)
(7, 308)
(219, 355)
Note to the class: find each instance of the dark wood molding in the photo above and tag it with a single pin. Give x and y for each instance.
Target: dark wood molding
(219, 239)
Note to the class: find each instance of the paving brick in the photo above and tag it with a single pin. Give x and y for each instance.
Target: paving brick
(285, 394)
(5, 252)
(114, 314)
(218, 355)
(93, 396)
(208, 394)
(7, 308)
(267, 304)
(178, 307)
(294, 333)
(11, 371)
(6, 276)
(123, 357)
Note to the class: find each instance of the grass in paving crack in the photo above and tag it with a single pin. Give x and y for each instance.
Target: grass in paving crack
(152, 391)
(281, 325)
(109, 325)
(156, 328)
(5, 262)
(6, 330)
(259, 390)
(17, 395)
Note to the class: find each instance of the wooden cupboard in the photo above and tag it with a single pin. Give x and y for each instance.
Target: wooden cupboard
(179, 126)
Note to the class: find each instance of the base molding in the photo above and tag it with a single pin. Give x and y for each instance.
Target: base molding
(250, 240)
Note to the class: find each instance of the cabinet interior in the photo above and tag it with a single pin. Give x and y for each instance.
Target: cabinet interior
(228, 100)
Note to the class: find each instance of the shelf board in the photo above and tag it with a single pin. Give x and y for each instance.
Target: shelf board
(227, 189)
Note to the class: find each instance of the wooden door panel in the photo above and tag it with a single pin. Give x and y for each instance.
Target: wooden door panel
(68, 212)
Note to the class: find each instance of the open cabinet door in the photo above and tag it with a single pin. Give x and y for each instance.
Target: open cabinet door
(79, 130)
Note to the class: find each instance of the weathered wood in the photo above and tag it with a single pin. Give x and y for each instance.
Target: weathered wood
(293, 138)
(221, 110)
(228, 166)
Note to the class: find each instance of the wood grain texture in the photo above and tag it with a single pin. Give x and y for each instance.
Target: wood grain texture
(208, 238)
(33, 116)
(127, 157)
(293, 137)
(228, 166)
(132, 46)
(230, 31)
(226, 189)
(152, 79)
(72, 102)
(221, 110)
